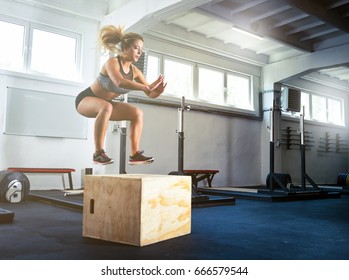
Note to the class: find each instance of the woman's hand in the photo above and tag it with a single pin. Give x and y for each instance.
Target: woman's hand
(157, 82)
(156, 88)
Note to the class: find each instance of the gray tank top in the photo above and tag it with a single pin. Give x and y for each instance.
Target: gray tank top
(108, 84)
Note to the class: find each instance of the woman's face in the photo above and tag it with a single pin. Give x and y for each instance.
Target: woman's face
(134, 51)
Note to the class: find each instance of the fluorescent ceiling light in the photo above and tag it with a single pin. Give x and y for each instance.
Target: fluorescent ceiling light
(247, 33)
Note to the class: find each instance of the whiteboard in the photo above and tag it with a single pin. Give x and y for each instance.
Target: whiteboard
(37, 113)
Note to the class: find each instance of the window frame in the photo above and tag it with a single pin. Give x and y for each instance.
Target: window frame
(312, 108)
(215, 69)
(159, 67)
(225, 109)
(29, 27)
(341, 101)
(250, 88)
(163, 59)
(309, 115)
(26, 24)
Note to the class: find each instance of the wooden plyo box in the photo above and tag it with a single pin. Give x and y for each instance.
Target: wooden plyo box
(137, 209)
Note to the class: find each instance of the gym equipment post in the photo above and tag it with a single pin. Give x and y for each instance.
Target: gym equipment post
(198, 199)
(284, 180)
(122, 157)
(180, 133)
(304, 176)
(280, 179)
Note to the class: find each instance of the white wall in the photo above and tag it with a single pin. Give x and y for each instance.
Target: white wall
(25, 151)
(230, 144)
(212, 141)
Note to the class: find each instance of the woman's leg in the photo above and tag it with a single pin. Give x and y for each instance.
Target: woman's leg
(125, 111)
(104, 111)
(101, 110)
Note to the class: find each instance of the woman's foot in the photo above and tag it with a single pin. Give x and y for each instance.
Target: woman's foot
(100, 157)
(138, 159)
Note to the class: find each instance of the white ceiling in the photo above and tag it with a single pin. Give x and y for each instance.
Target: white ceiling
(220, 29)
(275, 29)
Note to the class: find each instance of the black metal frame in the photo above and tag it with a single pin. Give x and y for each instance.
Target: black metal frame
(180, 133)
(304, 176)
(274, 177)
(122, 156)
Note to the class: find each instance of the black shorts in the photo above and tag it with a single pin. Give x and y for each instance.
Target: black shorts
(87, 92)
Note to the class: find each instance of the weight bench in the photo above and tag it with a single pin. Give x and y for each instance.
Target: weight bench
(199, 175)
(46, 170)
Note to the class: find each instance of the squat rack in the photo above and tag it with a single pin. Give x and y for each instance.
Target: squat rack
(198, 199)
(284, 180)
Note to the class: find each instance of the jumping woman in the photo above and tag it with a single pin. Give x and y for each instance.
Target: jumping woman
(118, 76)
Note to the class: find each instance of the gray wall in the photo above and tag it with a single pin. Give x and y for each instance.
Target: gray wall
(322, 167)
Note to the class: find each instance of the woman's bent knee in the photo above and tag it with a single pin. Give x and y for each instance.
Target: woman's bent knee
(106, 108)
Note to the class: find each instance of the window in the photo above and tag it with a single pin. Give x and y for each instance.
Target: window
(11, 53)
(51, 51)
(322, 108)
(53, 54)
(203, 83)
(153, 68)
(211, 86)
(334, 111)
(239, 91)
(179, 77)
(318, 108)
(305, 101)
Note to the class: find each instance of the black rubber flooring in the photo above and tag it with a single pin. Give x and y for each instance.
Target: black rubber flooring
(248, 230)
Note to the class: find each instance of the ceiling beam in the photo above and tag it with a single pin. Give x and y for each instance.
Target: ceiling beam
(319, 34)
(177, 39)
(291, 68)
(270, 13)
(261, 29)
(337, 4)
(269, 48)
(304, 27)
(174, 18)
(320, 11)
(289, 20)
(219, 31)
(246, 6)
(199, 25)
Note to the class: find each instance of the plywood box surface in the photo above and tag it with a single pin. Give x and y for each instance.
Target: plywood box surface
(136, 209)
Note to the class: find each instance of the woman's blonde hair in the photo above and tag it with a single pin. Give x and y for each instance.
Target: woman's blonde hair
(114, 39)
